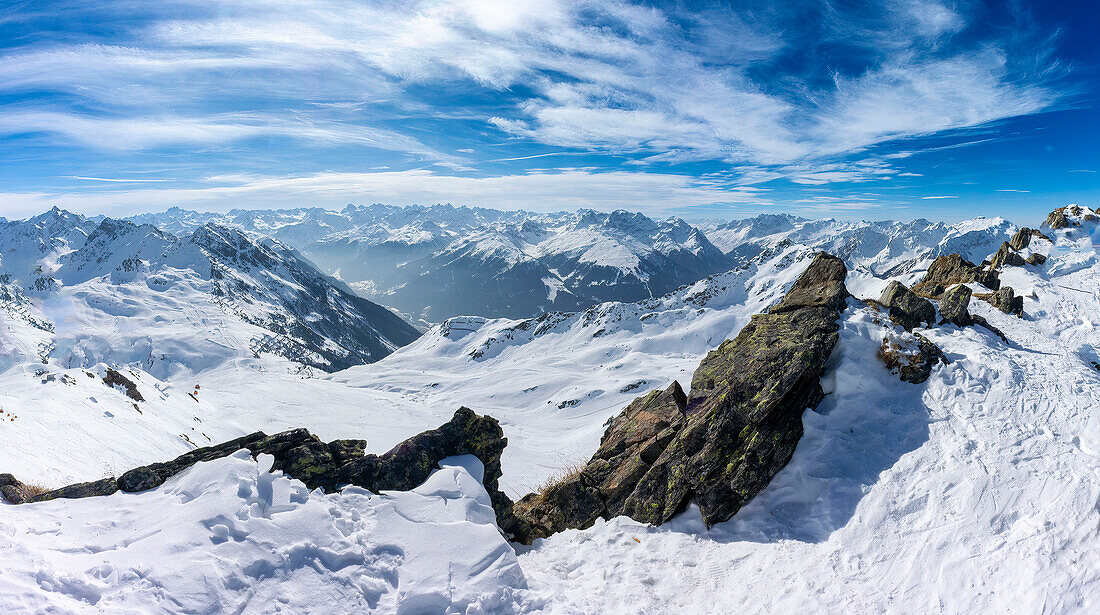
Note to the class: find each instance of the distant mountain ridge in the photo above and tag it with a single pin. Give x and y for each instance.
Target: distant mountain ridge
(435, 262)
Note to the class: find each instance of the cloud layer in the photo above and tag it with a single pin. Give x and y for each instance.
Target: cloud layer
(806, 91)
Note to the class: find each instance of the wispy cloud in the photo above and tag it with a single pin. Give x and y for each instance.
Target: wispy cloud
(547, 191)
(807, 92)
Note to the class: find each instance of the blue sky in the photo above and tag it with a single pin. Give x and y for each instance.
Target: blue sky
(843, 108)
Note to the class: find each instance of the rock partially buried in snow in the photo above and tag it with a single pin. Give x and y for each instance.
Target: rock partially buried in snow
(329, 466)
(1006, 256)
(911, 356)
(1057, 219)
(723, 444)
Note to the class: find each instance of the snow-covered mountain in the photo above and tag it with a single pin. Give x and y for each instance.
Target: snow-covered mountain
(442, 261)
(883, 249)
(435, 262)
(111, 291)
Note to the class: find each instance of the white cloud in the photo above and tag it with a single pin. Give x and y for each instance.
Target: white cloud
(571, 189)
(135, 133)
(592, 75)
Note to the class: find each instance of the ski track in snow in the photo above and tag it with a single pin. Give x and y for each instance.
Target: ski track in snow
(976, 491)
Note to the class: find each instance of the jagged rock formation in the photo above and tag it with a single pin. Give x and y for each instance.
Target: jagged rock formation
(954, 304)
(723, 444)
(115, 379)
(1004, 300)
(947, 271)
(1022, 238)
(1057, 218)
(1006, 256)
(318, 464)
(906, 308)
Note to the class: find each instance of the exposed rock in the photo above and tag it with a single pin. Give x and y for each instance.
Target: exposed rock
(1006, 256)
(1023, 237)
(954, 304)
(723, 444)
(1004, 300)
(907, 308)
(953, 269)
(329, 466)
(13, 491)
(1036, 259)
(115, 379)
(630, 444)
(912, 358)
(1057, 219)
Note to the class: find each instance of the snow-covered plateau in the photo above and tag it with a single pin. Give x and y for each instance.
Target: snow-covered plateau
(976, 491)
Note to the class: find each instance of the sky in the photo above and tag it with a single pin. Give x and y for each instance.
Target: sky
(853, 109)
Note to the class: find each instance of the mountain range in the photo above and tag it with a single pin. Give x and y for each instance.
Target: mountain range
(433, 263)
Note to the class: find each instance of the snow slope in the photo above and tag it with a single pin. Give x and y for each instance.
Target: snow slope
(231, 536)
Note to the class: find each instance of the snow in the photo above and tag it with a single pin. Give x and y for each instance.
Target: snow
(975, 491)
(231, 536)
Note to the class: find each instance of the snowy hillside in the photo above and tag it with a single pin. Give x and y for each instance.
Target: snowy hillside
(974, 491)
(118, 293)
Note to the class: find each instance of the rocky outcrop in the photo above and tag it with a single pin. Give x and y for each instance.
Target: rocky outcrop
(906, 308)
(954, 304)
(721, 445)
(114, 378)
(14, 491)
(1023, 237)
(946, 271)
(1004, 300)
(1006, 256)
(318, 464)
(1057, 219)
(911, 357)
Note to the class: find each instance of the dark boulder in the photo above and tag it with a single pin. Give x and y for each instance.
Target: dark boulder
(1036, 259)
(13, 491)
(1023, 237)
(954, 304)
(907, 308)
(1004, 300)
(722, 445)
(631, 443)
(946, 271)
